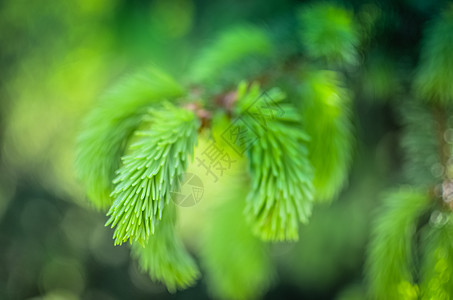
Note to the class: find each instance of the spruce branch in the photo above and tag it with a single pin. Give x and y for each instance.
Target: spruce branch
(435, 71)
(433, 84)
(437, 258)
(164, 257)
(391, 255)
(281, 194)
(150, 164)
(152, 168)
(107, 129)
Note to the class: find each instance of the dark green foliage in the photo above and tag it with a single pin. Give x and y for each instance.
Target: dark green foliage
(282, 192)
(420, 143)
(164, 257)
(381, 81)
(153, 167)
(326, 114)
(435, 71)
(427, 141)
(108, 127)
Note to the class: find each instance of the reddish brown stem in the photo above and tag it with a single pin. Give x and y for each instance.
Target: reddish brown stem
(203, 115)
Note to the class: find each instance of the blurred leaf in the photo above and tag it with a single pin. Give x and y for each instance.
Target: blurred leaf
(326, 113)
(435, 71)
(163, 256)
(437, 265)
(329, 32)
(236, 53)
(421, 142)
(390, 258)
(237, 263)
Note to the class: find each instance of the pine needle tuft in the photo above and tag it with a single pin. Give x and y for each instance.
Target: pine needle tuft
(282, 191)
(108, 127)
(151, 170)
(164, 257)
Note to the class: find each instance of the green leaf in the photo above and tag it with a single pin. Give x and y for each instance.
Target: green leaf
(328, 32)
(326, 114)
(107, 128)
(282, 191)
(164, 257)
(435, 72)
(390, 252)
(151, 170)
(237, 264)
(437, 265)
(238, 50)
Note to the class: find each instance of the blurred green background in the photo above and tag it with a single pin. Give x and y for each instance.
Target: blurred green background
(57, 57)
